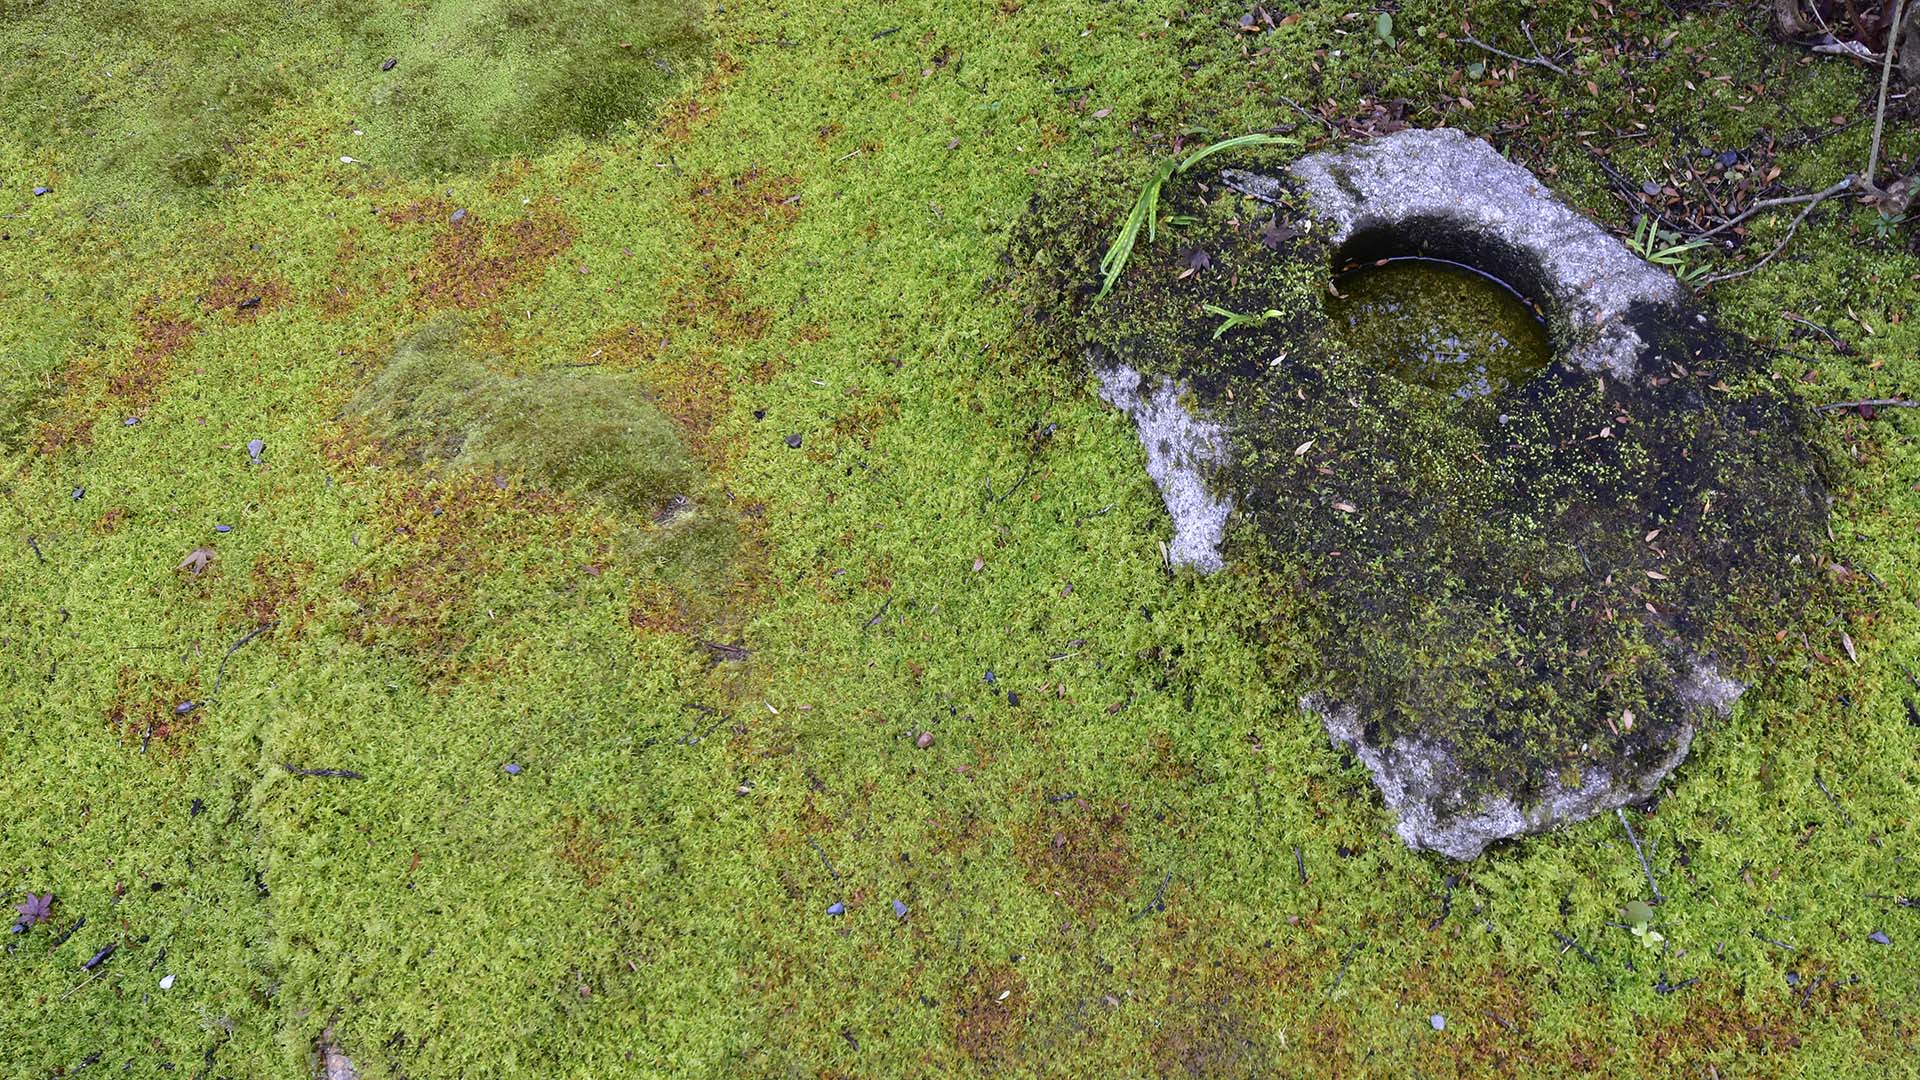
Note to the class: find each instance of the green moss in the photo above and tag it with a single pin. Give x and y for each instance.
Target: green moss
(168, 97)
(648, 896)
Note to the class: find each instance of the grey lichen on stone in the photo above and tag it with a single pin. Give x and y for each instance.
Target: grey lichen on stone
(1529, 602)
(1182, 449)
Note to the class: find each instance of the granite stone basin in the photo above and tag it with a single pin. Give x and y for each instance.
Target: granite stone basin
(1530, 598)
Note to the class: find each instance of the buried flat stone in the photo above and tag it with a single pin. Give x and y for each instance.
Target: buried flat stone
(1530, 582)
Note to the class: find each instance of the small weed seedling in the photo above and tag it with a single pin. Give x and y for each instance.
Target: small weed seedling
(1146, 208)
(1233, 320)
(1660, 247)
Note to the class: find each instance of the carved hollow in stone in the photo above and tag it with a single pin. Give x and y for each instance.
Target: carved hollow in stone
(1531, 599)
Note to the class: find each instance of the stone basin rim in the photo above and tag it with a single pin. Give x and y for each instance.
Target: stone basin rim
(1442, 192)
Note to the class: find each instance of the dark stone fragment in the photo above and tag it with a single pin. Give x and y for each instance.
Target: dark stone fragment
(794, 440)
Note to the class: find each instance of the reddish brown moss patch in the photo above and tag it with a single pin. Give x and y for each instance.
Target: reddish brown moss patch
(472, 264)
(142, 708)
(112, 521)
(241, 298)
(1078, 853)
(865, 416)
(657, 608)
(275, 596)
(581, 843)
(688, 113)
(732, 219)
(1719, 1022)
(691, 387)
(991, 1016)
(131, 383)
(341, 295)
(1490, 1014)
(443, 537)
(1210, 1025)
(136, 381)
(417, 212)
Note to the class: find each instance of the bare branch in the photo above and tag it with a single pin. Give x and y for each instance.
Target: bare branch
(1768, 204)
(1536, 60)
(1787, 239)
(1878, 403)
(1886, 77)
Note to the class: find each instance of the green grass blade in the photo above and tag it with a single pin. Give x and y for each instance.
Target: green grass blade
(1253, 139)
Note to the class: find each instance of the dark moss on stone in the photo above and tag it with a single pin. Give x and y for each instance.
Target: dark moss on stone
(1527, 600)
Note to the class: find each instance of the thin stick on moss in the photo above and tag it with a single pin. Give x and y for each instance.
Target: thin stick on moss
(1787, 239)
(1886, 77)
(1768, 204)
(234, 648)
(1637, 850)
(1877, 403)
(1536, 60)
(1573, 944)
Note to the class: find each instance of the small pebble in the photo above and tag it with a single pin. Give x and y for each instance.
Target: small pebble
(836, 908)
(925, 740)
(513, 768)
(459, 216)
(130, 421)
(166, 982)
(1013, 698)
(254, 449)
(899, 910)
(1439, 1022)
(223, 528)
(794, 440)
(1879, 937)
(390, 61)
(988, 677)
(184, 707)
(42, 190)
(79, 493)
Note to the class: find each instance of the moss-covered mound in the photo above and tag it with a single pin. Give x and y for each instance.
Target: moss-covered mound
(1528, 598)
(183, 89)
(578, 432)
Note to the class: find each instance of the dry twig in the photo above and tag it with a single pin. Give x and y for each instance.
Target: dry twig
(1878, 403)
(1536, 60)
(1829, 193)
(1768, 204)
(1886, 77)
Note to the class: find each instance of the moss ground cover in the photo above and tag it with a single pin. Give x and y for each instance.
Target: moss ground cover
(1123, 850)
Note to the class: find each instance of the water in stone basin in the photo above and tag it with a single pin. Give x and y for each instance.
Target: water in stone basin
(1439, 324)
